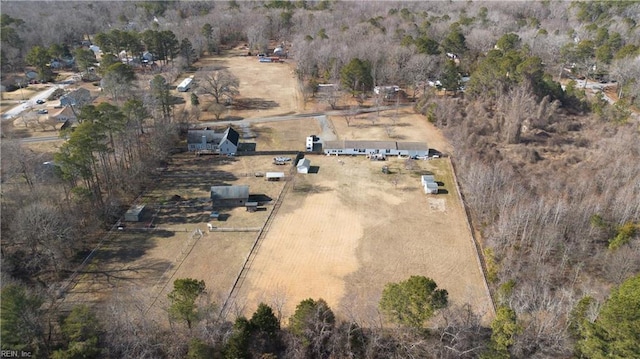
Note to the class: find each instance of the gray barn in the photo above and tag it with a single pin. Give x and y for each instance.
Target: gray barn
(229, 196)
(134, 214)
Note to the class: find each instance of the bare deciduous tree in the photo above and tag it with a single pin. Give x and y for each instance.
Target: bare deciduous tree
(221, 84)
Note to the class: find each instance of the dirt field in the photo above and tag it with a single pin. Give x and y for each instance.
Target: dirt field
(345, 232)
(266, 89)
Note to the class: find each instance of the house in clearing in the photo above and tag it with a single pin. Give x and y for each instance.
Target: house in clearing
(229, 196)
(76, 98)
(388, 148)
(303, 165)
(224, 143)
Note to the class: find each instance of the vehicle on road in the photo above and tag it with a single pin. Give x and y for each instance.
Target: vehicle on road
(40, 101)
(282, 159)
(43, 111)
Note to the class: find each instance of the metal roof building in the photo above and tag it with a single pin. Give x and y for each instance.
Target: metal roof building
(427, 178)
(431, 188)
(274, 176)
(229, 196)
(134, 213)
(349, 147)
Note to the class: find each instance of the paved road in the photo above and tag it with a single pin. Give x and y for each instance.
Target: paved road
(327, 134)
(43, 95)
(40, 139)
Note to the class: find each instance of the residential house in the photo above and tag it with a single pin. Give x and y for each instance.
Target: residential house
(225, 143)
(76, 98)
(63, 115)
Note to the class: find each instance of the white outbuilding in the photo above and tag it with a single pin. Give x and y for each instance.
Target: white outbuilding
(274, 176)
(431, 188)
(426, 179)
(303, 165)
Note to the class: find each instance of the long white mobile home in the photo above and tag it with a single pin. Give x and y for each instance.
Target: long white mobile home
(388, 148)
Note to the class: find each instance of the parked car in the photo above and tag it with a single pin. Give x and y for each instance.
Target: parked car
(43, 111)
(282, 159)
(40, 101)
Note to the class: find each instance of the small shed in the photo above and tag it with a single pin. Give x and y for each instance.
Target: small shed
(251, 206)
(134, 213)
(303, 165)
(274, 176)
(431, 188)
(426, 179)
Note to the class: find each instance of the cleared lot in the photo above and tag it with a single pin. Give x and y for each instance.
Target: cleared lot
(340, 233)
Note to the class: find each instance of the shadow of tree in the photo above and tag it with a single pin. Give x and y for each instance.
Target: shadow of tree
(254, 104)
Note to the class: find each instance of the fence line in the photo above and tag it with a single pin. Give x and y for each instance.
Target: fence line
(254, 250)
(72, 280)
(479, 253)
(184, 253)
(225, 229)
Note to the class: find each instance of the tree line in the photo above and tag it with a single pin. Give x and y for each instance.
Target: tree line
(544, 166)
(313, 330)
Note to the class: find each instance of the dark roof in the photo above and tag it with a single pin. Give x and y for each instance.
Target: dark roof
(195, 136)
(80, 96)
(413, 146)
(230, 192)
(232, 135)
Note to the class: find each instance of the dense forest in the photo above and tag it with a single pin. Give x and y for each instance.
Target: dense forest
(548, 169)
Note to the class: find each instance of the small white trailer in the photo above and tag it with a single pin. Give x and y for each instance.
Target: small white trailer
(185, 84)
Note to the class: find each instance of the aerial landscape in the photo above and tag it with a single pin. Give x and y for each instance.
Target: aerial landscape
(320, 179)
